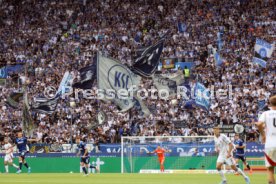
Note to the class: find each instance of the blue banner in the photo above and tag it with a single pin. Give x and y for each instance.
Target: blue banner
(14, 68)
(202, 96)
(263, 51)
(3, 73)
(182, 65)
(6, 70)
(139, 149)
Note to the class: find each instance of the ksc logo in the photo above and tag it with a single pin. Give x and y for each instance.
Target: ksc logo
(119, 77)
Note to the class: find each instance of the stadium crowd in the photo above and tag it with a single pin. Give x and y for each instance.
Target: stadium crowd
(57, 36)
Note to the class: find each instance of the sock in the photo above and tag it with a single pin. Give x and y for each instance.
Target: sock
(7, 168)
(15, 166)
(241, 172)
(248, 166)
(26, 165)
(92, 167)
(20, 165)
(222, 175)
(84, 170)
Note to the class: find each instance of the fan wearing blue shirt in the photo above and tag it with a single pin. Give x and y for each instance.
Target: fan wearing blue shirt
(240, 152)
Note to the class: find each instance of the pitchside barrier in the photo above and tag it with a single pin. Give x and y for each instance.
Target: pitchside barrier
(184, 157)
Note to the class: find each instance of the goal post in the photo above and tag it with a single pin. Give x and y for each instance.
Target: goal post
(190, 154)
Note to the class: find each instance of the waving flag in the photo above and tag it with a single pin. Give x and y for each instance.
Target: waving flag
(14, 99)
(202, 96)
(147, 63)
(45, 106)
(219, 40)
(114, 77)
(263, 51)
(219, 60)
(28, 124)
(88, 76)
(168, 82)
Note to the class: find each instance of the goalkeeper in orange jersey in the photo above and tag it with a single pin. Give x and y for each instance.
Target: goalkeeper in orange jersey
(161, 156)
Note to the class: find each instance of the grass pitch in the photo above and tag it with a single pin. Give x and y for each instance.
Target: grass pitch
(125, 179)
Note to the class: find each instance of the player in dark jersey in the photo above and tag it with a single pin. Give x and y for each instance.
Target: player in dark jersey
(83, 152)
(240, 153)
(21, 143)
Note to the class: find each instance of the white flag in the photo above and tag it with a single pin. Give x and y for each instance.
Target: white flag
(113, 78)
(168, 82)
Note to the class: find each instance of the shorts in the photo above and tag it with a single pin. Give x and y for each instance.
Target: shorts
(85, 160)
(161, 160)
(8, 158)
(242, 158)
(270, 157)
(22, 154)
(223, 159)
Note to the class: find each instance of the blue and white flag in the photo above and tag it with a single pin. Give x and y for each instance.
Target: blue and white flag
(65, 84)
(263, 51)
(202, 96)
(261, 105)
(114, 78)
(219, 60)
(181, 27)
(3, 73)
(147, 63)
(168, 82)
(219, 40)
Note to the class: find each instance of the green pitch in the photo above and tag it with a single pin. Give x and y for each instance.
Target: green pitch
(125, 179)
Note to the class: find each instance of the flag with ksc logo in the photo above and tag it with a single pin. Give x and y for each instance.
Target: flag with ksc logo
(114, 79)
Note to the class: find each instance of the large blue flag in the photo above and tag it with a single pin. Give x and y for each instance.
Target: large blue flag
(202, 96)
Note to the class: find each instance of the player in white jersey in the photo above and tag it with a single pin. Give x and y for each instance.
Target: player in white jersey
(267, 121)
(225, 148)
(8, 160)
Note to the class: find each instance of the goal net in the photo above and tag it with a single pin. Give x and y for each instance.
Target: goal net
(192, 154)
